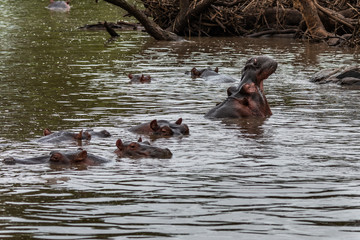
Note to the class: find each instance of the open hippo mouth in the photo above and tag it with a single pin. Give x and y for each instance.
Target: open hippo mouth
(248, 98)
(258, 69)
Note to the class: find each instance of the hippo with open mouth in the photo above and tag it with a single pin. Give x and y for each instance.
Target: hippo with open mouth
(247, 99)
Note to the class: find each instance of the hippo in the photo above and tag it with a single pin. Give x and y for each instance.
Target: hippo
(343, 76)
(33, 160)
(140, 149)
(79, 157)
(60, 136)
(248, 99)
(61, 6)
(161, 128)
(139, 78)
(68, 136)
(210, 75)
(100, 134)
(203, 72)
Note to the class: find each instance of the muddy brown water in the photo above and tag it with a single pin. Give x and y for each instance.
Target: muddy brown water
(294, 175)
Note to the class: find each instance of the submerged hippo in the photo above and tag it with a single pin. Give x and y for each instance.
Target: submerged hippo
(342, 76)
(140, 149)
(139, 78)
(210, 75)
(60, 136)
(62, 6)
(100, 134)
(161, 128)
(74, 158)
(248, 99)
(203, 72)
(80, 157)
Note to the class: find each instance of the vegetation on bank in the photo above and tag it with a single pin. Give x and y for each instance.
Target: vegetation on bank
(335, 22)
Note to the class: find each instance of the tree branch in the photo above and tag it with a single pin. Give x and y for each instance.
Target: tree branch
(334, 15)
(150, 26)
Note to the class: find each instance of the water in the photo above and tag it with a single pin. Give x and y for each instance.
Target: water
(294, 175)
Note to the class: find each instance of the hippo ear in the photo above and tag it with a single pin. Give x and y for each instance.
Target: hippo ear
(194, 72)
(87, 135)
(140, 139)
(142, 78)
(179, 121)
(119, 144)
(79, 136)
(47, 132)
(217, 70)
(154, 125)
(130, 76)
(81, 156)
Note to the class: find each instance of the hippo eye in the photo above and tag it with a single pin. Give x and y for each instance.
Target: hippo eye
(166, 130)
(133, 146)
(55, 158)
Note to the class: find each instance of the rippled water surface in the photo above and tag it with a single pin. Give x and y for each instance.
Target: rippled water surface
(294, 175)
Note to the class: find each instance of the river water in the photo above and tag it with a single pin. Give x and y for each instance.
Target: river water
(294, 175)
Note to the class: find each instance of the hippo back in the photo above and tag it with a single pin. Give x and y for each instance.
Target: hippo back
(59, 6)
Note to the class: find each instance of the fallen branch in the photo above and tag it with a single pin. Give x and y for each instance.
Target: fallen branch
(110, 30)
(272, 32)
(150, 26)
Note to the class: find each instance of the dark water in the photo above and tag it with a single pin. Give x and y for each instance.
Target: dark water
(294, 175)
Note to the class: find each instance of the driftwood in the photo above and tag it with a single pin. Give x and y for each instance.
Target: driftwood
(118, 26)
(110, 30)
(273, 32)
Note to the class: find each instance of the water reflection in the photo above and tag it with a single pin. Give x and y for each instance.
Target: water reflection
(248, 127)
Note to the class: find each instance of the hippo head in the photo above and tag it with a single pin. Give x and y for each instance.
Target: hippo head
(139, 78)
(248, 99)
(82, 136)
(195, 73)
(140, 149)
(74, 158)
(59, 158)
(165, 128)
(105, 133)
(257, 69)
(203, 73)
(9, 161)
(47, 132)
